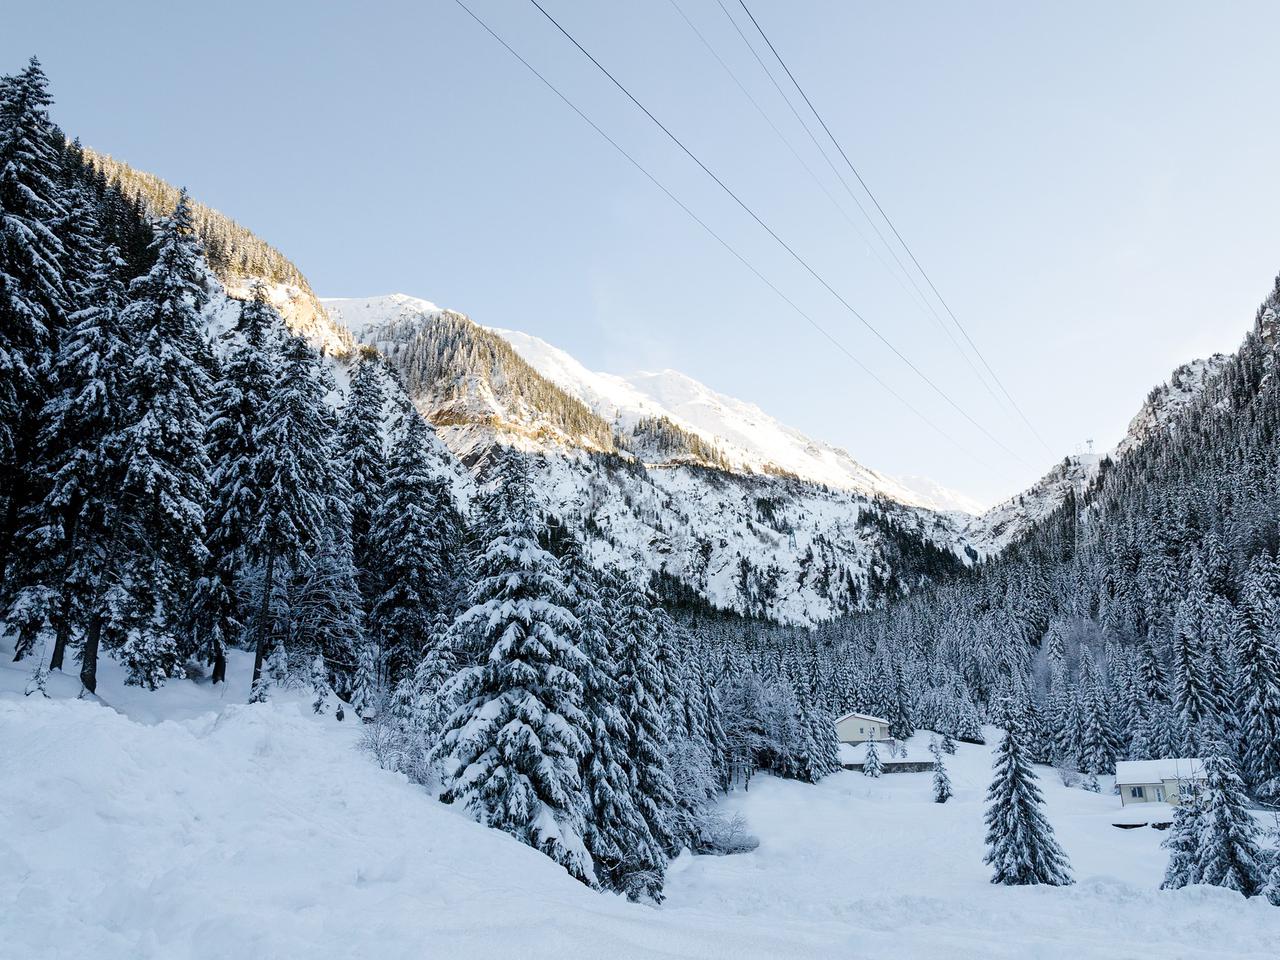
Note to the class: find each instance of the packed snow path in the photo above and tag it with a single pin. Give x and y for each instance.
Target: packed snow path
(261, 831)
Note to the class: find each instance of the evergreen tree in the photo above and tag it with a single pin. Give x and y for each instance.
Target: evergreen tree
(240, 401)
(941, 782)
(165, 488)
(1021, 847)
(408, 560)
(1097, 740)
(1228, 854)
(295, 476)
(1183, 844)
(627, 857)
(364, 459)
(511, 749)
(69, 538)
(640, 690)
(33, 294)
(871, 763)
(1260, 680)
(365, 689)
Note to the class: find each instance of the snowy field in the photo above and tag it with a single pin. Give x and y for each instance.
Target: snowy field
(179, 825)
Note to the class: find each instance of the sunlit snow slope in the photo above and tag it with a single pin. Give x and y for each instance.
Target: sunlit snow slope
(749, 438)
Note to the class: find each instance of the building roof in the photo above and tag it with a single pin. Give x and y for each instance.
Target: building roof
(863, 716)
(1155, 771)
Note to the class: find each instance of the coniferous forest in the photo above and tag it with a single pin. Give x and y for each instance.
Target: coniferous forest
(184, 476)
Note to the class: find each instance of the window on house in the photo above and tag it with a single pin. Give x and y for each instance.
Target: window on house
(860, 730)
(1137, 793)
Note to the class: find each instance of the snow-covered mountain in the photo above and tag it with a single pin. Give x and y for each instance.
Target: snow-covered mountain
(663, 474)
(707, 489)
(749, 439)
(1006, 522)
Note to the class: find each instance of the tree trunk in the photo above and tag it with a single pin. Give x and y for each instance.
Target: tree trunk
(220, 664)
(63, 634)
(263, 609)
(89, 655)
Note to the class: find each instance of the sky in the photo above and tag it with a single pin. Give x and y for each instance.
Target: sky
(1090, 186)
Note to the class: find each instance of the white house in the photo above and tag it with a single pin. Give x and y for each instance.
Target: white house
(860, 727)
(1158, 781)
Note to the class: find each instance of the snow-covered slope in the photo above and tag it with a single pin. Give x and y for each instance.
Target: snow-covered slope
(1006, 522)
(1184, 385)
(750, 440)
(175, 825)
(664, 476)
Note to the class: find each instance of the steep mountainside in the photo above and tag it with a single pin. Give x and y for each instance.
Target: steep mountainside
(1160, 416)
(665, 475)
(747, 439)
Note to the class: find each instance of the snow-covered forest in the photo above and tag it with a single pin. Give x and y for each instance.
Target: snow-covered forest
(211, 496)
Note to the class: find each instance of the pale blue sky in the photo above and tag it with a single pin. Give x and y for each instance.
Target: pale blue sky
(1091, 185)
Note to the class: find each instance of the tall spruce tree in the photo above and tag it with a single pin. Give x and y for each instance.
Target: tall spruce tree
(295, 477)
(364, 460)
(407, 559)
(69, 537)
(1260, 679)
(627, 857)
(33, 294)
(1021, 848)
(165, 488)
(511, 749)
(641, 687)
(1227, 853)
(240, 402)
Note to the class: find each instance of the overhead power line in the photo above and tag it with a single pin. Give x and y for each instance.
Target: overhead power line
(786, 246)
(904, 277)
(905, 246)
(719, 239)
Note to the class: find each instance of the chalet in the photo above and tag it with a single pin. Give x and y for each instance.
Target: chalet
(860, 727)
(1158, 781)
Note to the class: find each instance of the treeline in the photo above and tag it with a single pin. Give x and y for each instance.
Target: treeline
(1137, 621)
(169, 498)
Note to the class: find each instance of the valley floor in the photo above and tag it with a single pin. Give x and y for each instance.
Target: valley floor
(183, 825)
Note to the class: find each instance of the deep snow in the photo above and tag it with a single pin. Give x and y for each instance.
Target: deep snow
(237, 831)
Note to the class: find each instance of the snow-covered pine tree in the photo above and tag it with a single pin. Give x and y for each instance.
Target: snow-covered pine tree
(365, 688)
(900, 707)
(240, 398)
(364, 458)
(33, 293)
(1097, 742)
(406, 558)
(871, 766)
(941, 782)
(325, 613)
(510, 751)
(1191, 695)
(640, 686)
(165, 488)
(948, 744)
(1260, 678)
(1183, 844)
(627, 857)
(69, 538)
(822, 745)
(1227, 848)
(1021, 848)
(295, 473)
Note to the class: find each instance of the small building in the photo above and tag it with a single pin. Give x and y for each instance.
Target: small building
(860, 727)
(1158, 781)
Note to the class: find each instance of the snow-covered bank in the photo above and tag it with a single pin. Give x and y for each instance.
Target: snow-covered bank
(263, 832)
